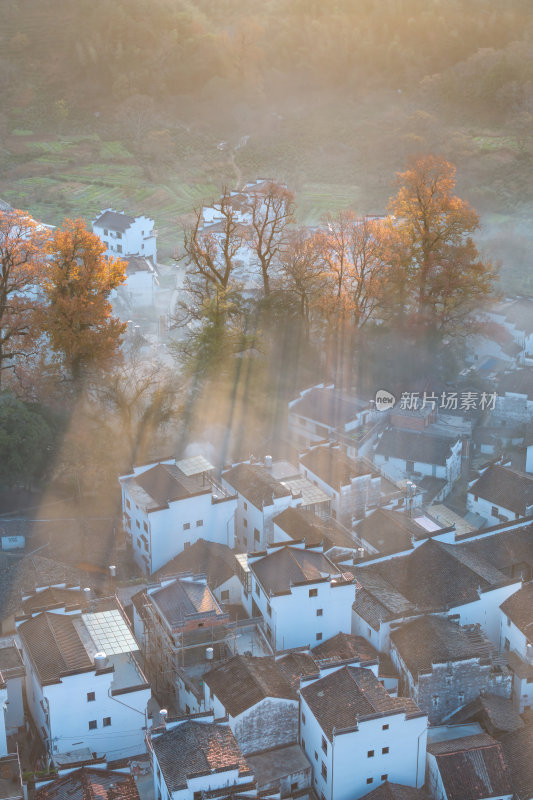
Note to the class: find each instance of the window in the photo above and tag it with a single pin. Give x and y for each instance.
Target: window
(324, 745)
(145, 527)
(316, 756)
(269, 611)
(435, 701)
(324, 771)
(146, 546)
(322, 796)
(369, 632)
(370, 754)
(294, 787)
(224, 596)
(119, 248)
(186, 526)
(92, 724)
(199, 523)
(188, 710)
(137, 523)
(90, 697)
(319, 612)
(119, 235)
(313, 592)
(370, 780)
(507, 644)
(303, 745)
(319, 637)
(257, 590)
(384, 751)
(246, 506)
(257, 535)
(303, 718)
(139, 543)
(128, 504)
(107, 722)
(385, 777)
(385, 727)
(106, 232)
(509, 622)
(494, 511)
(245, 523)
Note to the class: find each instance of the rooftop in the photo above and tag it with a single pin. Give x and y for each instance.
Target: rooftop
(392, 531)
(342, 647)
(114, 220)
(289, 566)
(506, 488)
(299, 523)
(216, 561)
(473, 767)
(409, 446)
(197, 748)
(255, 483)
(348, 696)
(332, 466)
(494, 712)
(519, 381)
(88, 784)
(519, 608)
(329, 407)
(435, 640)
(517, 748)
(270, 766)
(395, 791)
(181, 600)
(21, 575)
(11, 663)
(244, 681)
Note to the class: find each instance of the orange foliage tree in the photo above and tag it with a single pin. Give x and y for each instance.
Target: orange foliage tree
(77, 286)
(21, 268)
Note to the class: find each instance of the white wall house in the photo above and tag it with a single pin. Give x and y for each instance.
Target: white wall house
(195, 756)
(516, 639)
(321, 410)
(169, 505)
(141, 284)
(501, 495)
(473, 765)
(357, 736)
(301, 595)
(402, 454)
(13, 673)
(124, 235)
(3, 704)
(80, 695)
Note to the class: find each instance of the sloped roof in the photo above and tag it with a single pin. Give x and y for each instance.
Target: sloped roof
(432, 640)
(390, 531)
(54, 646)
(279, 570)
(22, 575)
(197, 748)
(395, 791)
(350, 694)
(344, 646)
(184, 599)
(421, 447)
(503, 550)
(519, 381)
(518, 747)
(297, 665)
(255, 484)
(52, 596)
(114, 220)
(491, 710)
(162, 484)
(300, 523)
(88, 784)
(212, 559)
(519, 609)
(328, 407)
(505, 487)
(473, 767)
(244, 681)
(332, 466)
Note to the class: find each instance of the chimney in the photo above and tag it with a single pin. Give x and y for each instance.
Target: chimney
(163, 713)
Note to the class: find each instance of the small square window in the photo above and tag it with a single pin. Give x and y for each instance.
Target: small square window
(316, 756)
(324, 745)
(313, 592)
(245, 523)
(91, 696)
(370, 780)
(319, 637)
(384, 751)
(186, 526)
(92, 724)
(385, 777)
(224, 596)
(246, 506)
(199, 523)
(319, 612)
(107, 722)
(303, 718)
(385, 727)
(370, 754)
(324, 771)
(145, 526)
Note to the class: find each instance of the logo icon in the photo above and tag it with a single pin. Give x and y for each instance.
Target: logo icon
(384, 400)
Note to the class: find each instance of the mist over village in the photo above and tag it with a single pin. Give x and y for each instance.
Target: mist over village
(266, 400)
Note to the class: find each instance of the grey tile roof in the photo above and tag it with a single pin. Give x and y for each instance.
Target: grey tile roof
(395, 791)
(344, 646)
(432, 640)
(271, 766)
(332, 466)
(328, 407)
(54, 646)
(519, 608)
(279, 570)
(517, 382)
(244, 681)
(297, 665)
(114, 221)
(518, 747)
(182, 600)
(50, 597)
(299, 523)
(212, 559)
(505, 487)
(473, 767)
(496, 714)
(255, 484)
(504, 550)
(197, 748)
(22, 575)
(390, 531)
(88, 784)
(11, 663)
(348, 695)
(409, 446)
(162, 484)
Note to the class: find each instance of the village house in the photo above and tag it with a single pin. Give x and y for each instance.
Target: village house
(517, 749)
(87, 783)
(284, 770)
(198, 758)
(435, 578)
(126, 236)
(357, 736)
(321, 411)
(257, 699)
(167, 505)
(514, 402)
(351, 485)
(295, 525)
(444, 665)
(496, 715)
(13, 673)
(501, 494)
(472, 767)
(345, 648)
(142, 280)
(302, 596)
(515, 315)
(87, 662)
(516, 640)
(387, 532)
(433, 463)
